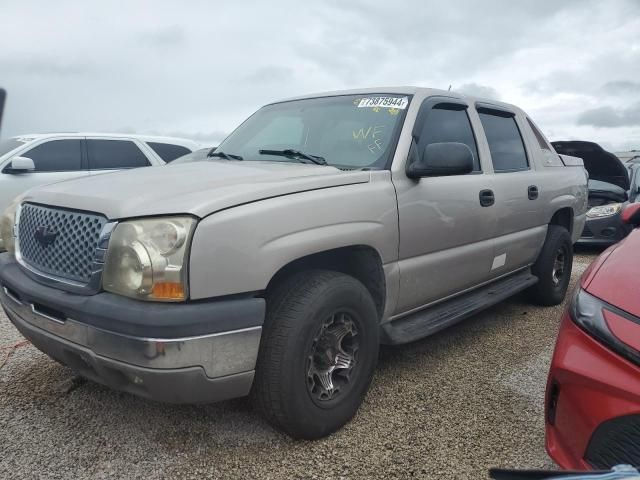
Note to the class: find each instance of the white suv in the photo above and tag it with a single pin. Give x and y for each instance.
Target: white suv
(31, 160)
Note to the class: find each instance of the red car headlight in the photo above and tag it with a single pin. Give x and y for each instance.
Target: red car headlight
(587, 311)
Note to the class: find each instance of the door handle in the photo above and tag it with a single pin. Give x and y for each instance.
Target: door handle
(532, 192)
(487, 198)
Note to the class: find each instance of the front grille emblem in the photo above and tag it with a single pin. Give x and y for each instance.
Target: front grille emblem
(45, 235)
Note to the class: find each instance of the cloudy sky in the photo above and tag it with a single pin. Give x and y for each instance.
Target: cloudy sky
(197, 68)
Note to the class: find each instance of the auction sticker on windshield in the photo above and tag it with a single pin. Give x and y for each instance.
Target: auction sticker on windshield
(384, 102)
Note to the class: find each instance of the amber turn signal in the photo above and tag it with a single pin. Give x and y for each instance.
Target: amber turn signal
(168, 291)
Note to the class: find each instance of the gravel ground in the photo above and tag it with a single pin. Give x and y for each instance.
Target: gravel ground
(450, 406)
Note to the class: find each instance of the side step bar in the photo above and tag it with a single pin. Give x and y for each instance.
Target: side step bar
(432, 319)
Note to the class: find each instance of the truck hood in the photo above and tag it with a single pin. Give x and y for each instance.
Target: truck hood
(600, 164)
(198, 188)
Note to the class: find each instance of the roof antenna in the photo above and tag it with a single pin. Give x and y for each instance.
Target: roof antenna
(449, 87)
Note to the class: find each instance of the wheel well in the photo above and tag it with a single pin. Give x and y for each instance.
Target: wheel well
(564, 218)
(359, 261)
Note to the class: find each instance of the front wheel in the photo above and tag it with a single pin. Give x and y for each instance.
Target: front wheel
(553, 268)
(318, 353)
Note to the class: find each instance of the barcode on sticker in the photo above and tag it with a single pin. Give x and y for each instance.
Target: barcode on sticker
(384, 102)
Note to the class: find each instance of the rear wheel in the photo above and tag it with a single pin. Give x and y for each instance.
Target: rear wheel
(553, 267)
(318, 353)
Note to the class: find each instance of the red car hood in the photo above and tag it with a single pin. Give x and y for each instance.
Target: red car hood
(614, 276)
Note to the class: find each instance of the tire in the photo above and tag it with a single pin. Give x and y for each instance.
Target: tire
(553, 268)
(307, 313)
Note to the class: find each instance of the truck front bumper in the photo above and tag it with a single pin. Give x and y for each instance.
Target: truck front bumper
(196, 352)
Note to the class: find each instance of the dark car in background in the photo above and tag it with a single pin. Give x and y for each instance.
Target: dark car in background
(609, 188)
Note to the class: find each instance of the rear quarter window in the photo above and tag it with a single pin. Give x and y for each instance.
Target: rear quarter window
(168, 151)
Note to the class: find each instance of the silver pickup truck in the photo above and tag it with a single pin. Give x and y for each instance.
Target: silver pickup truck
(322, 227)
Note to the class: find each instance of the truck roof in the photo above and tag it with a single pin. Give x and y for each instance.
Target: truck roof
(404, 90)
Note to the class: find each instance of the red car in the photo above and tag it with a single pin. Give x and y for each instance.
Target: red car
(593, 390)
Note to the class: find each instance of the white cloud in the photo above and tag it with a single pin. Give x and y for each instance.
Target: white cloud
(193, 67)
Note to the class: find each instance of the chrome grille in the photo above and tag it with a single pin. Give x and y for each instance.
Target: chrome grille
(59, 242)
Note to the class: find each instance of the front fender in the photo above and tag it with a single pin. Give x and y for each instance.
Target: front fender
(240, 249)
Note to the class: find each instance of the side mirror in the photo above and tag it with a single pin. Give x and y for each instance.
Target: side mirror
(21, 165)
(631, 214)
(440, 159)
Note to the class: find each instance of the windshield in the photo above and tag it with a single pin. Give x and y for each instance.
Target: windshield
(9, 144)
(349, 131)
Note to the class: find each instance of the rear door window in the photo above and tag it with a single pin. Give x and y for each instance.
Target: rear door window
(167, 151)
(115, 154)
(505, 142)
(56, 156)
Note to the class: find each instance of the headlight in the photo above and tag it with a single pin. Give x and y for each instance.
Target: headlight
(589, 313)
(7, 222)
(146, 258)
(604, 210)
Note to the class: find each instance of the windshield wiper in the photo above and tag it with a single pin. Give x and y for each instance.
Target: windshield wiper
(221, 154)
(297, 154)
